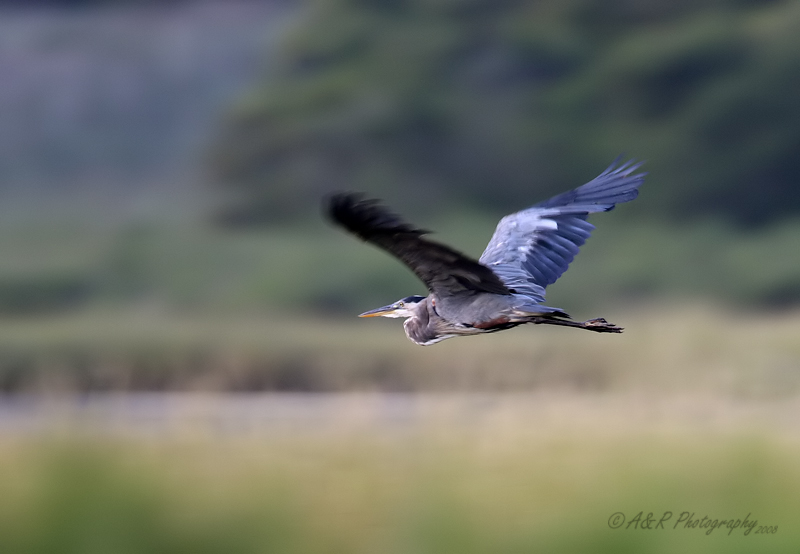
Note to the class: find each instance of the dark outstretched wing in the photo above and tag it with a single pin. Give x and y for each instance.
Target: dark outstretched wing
(532, 248)
(444, 271)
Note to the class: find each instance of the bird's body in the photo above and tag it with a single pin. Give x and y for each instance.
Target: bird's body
(529, 250)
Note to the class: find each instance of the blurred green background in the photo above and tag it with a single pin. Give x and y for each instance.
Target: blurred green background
(180, 368)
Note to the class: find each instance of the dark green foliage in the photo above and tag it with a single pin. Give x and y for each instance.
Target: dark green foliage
(504, 102)
(43, 293)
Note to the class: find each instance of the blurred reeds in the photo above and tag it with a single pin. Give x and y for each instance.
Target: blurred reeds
(664, 348)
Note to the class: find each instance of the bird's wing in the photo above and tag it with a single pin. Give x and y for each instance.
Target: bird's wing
(532, 248)
(444, 271)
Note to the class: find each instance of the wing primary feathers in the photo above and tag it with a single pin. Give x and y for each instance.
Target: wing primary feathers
(366, 217)
(444, 270)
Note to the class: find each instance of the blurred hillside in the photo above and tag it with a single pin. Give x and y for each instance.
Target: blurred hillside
(105, 100)
(119, 118)
(501, 103)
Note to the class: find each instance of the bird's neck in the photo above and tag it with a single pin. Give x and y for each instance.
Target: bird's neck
(421, 327)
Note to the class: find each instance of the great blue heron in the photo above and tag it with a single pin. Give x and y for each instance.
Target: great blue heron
(529, 250)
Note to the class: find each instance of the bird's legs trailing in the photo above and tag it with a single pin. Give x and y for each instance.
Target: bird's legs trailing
(598, 324)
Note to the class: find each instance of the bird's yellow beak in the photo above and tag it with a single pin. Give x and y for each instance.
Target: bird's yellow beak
(385, 310)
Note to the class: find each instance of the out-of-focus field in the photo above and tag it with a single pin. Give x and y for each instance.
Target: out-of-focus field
(365, 473)
(544, 435)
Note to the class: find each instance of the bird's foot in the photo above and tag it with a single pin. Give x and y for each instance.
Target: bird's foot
(600, 325)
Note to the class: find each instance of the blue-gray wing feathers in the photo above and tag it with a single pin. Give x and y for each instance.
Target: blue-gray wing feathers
(532, 248)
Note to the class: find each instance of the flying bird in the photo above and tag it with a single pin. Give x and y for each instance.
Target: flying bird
(505, 287)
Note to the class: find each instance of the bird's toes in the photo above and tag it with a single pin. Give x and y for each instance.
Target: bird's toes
(600, 325)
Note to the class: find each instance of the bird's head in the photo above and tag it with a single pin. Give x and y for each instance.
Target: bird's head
(402, 308)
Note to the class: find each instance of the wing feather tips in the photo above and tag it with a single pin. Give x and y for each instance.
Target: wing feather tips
(624, 168)
(615, 185)
(365, 217)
